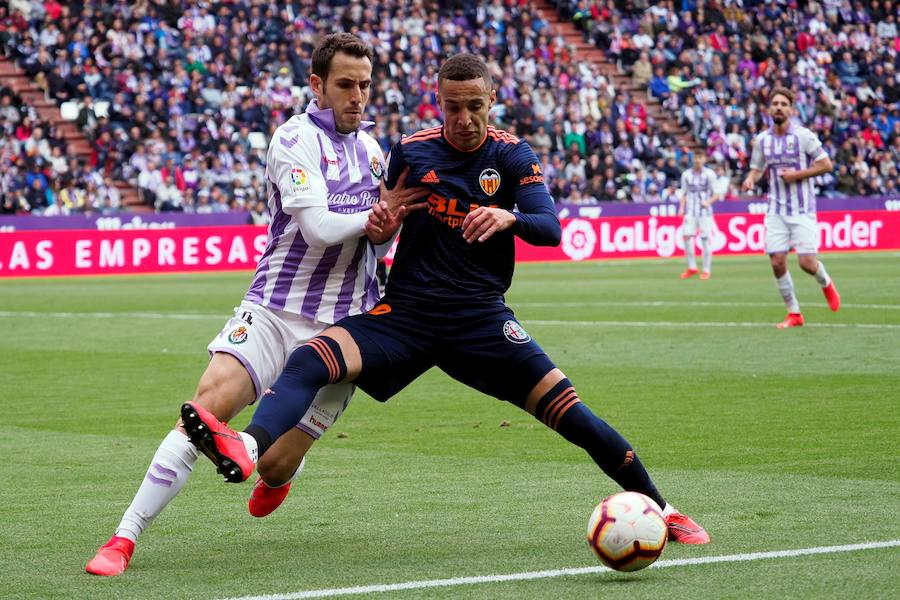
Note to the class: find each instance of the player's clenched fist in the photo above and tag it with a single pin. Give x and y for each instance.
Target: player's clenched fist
(383, 222)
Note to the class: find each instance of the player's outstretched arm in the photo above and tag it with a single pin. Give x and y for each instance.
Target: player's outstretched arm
(751, 179)
(820, 167)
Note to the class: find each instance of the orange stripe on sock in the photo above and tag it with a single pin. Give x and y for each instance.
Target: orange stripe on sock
(556, 403)
(551, 403)
(562, 411)
(315, 346)
(550, 416)
(327, 357)
(333, 361)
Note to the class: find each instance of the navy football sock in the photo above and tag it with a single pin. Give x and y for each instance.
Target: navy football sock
(560, 409)
(309, 368)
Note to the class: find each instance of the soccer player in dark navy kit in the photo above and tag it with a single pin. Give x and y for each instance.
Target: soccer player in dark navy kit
(444, 301)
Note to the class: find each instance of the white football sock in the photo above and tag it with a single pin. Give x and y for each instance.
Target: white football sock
(707, 254)
(668, 509)
(821, 275)
(689, 253)
(786, 287)
(251, 446)
(171, 465)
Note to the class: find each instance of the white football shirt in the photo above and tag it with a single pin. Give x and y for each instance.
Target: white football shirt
(309, 163)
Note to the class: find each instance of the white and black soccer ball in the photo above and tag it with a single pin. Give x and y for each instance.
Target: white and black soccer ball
(627, 531)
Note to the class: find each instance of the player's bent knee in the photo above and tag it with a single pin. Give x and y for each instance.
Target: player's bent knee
(809, 263)
(543, 386)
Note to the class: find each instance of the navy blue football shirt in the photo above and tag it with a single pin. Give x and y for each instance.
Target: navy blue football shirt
(433, 262)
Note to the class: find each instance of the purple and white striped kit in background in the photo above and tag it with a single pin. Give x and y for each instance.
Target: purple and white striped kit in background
(797, 149)
(697, 187)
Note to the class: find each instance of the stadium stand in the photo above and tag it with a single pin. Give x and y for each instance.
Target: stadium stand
(711, 63)
(178, 99)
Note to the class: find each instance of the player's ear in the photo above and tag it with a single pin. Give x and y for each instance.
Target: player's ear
(317, 84)
(492, 98)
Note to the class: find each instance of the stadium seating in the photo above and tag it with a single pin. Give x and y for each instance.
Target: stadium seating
(614, 96)
(839, 59)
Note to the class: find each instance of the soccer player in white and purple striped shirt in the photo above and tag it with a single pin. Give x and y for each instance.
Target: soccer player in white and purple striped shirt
(324, 174)
(696, 196)
(793, 156)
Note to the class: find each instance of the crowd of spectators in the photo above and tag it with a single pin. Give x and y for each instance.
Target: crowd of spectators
(169, 91)
(38, 175)
(711, 63)
(180, 97)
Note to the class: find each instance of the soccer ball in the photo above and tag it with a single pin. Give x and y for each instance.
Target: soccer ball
(627, 531)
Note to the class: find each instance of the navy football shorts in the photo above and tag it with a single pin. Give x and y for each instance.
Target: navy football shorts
(483, 347)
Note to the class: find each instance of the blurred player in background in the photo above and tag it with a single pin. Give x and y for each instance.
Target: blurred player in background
(793, 156)
(444, 302)
(696, 195)
(324, 173)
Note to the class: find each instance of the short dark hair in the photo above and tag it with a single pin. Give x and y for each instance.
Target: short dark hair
(782, 91)
(464, 67)
(333, 43)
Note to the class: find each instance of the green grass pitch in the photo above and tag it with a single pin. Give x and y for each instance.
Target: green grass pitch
(771, 439)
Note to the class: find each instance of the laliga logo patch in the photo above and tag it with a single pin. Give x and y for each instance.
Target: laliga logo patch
(299, 179)
(514, 333)
(579, 239)
(238, 336)
(489, 180)
(376, 167)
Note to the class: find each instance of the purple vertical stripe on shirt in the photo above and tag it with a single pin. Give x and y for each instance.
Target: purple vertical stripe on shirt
(372, 295)
(289, 269)
(323, 166)
(371, 287)
(313, 297)
(279, 222)
(345, 296)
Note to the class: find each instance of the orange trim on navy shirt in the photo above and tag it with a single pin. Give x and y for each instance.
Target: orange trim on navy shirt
(457, 148)
(421, 134)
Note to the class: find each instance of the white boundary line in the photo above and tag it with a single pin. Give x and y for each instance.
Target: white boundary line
(457, 581)
(551, 323)
(114, 315)
(694, 325)
(688, 303)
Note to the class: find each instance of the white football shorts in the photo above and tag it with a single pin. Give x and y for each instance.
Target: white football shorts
(263, 339)
(799, 232)
(693, 224)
